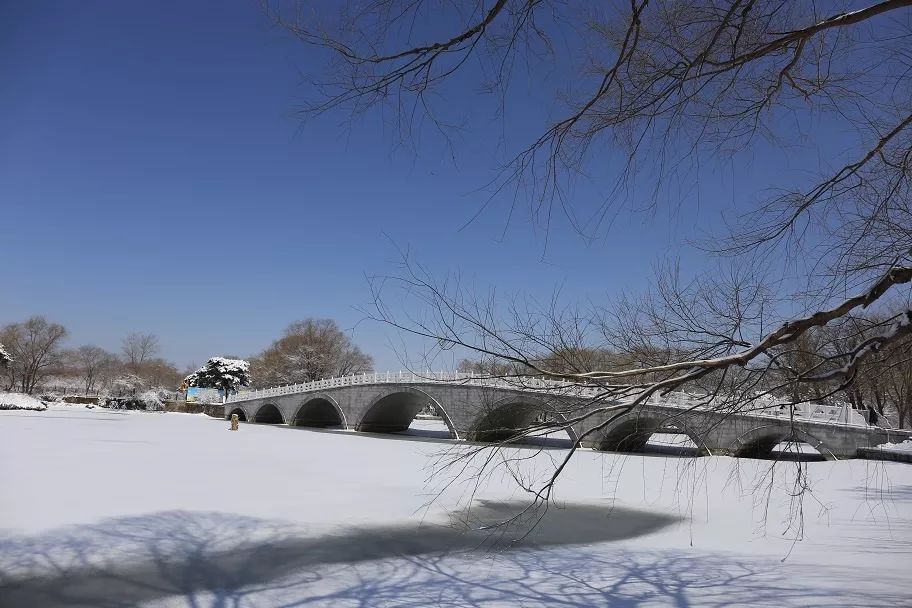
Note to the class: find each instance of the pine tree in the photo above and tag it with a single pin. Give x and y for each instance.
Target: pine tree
(221, 373)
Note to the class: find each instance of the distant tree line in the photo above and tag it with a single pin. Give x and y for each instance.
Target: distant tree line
(35, 356)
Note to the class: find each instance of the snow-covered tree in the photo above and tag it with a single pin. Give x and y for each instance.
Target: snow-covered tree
(5, 357)
(221, 373)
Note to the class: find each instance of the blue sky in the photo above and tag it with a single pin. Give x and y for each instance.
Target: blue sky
(155, 178)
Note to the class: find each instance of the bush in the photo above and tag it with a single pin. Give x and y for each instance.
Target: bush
(151, 402)
(148, 401)
(18, 401)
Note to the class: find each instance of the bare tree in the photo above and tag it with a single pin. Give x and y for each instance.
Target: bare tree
(93, 363)
(35, 349)
(898, 382)
(137, 348)
(310, 350)
(672, 84)
(143, 370)
(882, 387)
(668, 81)
(159, 373)
(486, 367)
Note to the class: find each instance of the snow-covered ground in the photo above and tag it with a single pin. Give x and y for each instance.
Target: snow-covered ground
(102, 508)
(905, 446)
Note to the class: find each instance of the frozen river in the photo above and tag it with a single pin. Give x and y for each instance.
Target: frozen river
(106, 508)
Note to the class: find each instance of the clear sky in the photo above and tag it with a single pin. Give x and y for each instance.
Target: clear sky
(155, 178)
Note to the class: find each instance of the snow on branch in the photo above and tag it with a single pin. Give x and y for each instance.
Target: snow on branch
(900, 328)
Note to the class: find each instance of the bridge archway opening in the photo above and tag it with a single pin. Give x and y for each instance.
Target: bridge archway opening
(319, 412)
(800, 451)
(650, 435)
(410, 412)
(672, 442)
(242, 416)
(780, 444)
(268, 414)
(522, 423)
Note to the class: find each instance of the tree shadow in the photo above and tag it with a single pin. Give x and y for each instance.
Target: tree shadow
(127, 560)
(222, 560)
(551, 442)
(889, 493)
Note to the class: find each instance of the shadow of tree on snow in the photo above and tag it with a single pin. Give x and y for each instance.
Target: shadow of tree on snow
(223, 560)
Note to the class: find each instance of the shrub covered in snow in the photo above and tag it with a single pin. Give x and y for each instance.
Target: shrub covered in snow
(149, 401)
(128, 383)
(18, 401)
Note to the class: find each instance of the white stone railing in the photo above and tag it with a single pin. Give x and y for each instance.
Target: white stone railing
(525, 383)
(812, 412)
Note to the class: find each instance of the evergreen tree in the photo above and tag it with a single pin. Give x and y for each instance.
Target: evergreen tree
(221, 373)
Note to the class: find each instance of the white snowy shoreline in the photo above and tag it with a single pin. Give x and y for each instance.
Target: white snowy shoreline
(168, 509)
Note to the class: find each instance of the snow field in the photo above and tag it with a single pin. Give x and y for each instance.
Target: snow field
(175, 510)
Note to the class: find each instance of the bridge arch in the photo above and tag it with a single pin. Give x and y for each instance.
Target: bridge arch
(242, 415)
(760, 441)
(507, 418)
(394, 410)
(269, 413)
(631, 432)
(320, 411)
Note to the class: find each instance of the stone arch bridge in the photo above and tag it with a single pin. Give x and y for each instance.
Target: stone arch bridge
(493, 409)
